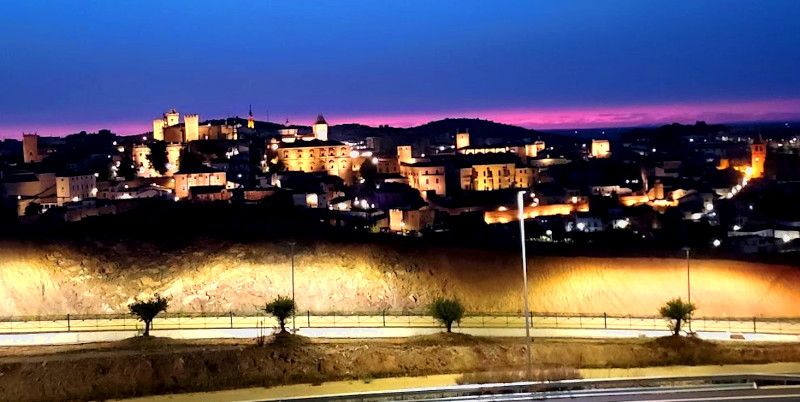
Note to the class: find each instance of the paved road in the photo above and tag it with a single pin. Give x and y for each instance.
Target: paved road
(387, 384)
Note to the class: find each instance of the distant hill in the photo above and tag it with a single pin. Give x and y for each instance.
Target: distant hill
(478, 128)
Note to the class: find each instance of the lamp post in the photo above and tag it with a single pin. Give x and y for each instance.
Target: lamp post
(403, 228)
(521, 207)
(294, 328)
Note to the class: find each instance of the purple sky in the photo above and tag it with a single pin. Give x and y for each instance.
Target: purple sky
(71, 66)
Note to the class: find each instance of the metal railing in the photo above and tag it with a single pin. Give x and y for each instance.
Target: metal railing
(386, 319)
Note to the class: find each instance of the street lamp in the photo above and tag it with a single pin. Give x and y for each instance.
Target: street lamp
(294, 327)
(403, 228)
(521, 208)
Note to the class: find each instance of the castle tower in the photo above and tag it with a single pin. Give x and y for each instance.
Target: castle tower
(320, 129)
(173, 118)
(158, 129)
(601, 148)
(404, 154)
(462, 140)
(30, 148)
(758, 155)
(251, 123)
(192, 122)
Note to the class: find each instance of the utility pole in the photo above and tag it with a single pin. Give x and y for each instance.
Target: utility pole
(688, 281)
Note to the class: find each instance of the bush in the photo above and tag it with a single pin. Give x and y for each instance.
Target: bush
(447, 311)
(281, 308)
(677, 312)
(146, 310)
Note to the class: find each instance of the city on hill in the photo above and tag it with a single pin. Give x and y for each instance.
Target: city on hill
(711, 187)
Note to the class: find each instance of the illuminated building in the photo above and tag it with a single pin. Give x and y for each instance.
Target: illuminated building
(251, 123)
(301, 153)
(424, 176)
(758, 155)
(75, 187)
(169, 129)
(523, 151)
(601, 149)
(487, 175)
(401, 220)
(185, 179)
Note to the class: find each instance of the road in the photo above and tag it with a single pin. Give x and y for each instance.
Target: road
(448, 380)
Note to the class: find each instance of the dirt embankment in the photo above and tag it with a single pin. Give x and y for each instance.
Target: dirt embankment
(136, 368)
(96, 277)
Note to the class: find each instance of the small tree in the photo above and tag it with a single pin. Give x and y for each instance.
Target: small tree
(281, 308)
(146, 310)
(677, 312)
(447, 311)
(33, 209)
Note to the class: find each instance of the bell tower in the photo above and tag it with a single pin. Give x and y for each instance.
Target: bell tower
(251, 123)
(758, 155)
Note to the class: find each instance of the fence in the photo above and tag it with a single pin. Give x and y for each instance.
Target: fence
(125, 322)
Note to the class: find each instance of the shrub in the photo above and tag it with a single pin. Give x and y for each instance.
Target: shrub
(281, 308)
(677, 312)
(447, 311)
(146, 310)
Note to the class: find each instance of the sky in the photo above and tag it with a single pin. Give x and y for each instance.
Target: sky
(67, 66)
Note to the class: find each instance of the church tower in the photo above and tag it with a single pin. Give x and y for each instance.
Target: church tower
(251, 123)
(320, 129)
(758, 155)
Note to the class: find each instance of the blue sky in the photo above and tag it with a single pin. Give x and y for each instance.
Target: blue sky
(71, 65)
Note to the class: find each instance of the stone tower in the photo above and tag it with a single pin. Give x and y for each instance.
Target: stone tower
(320, 129)
(758, 155)
(404, 154)
(192, 122)
(30, 148)
(158, 129)
(462, 140)
(173, 117)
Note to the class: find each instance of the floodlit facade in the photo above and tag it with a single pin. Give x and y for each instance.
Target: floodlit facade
(201, 176)
(758, 155)
(75, 187)
(496, 176)
(424, 177)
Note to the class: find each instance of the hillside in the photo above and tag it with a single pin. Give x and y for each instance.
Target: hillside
(97, 277)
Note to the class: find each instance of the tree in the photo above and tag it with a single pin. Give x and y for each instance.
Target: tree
(146, 310)
(281, 308)
(447, 311)
(33, 208)
(677, 312)
(189, 160)
(126, 169)
(158, 156)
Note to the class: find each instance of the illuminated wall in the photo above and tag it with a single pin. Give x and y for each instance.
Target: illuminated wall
(512, 214)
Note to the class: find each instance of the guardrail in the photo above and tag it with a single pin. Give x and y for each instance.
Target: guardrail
(388, 319)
